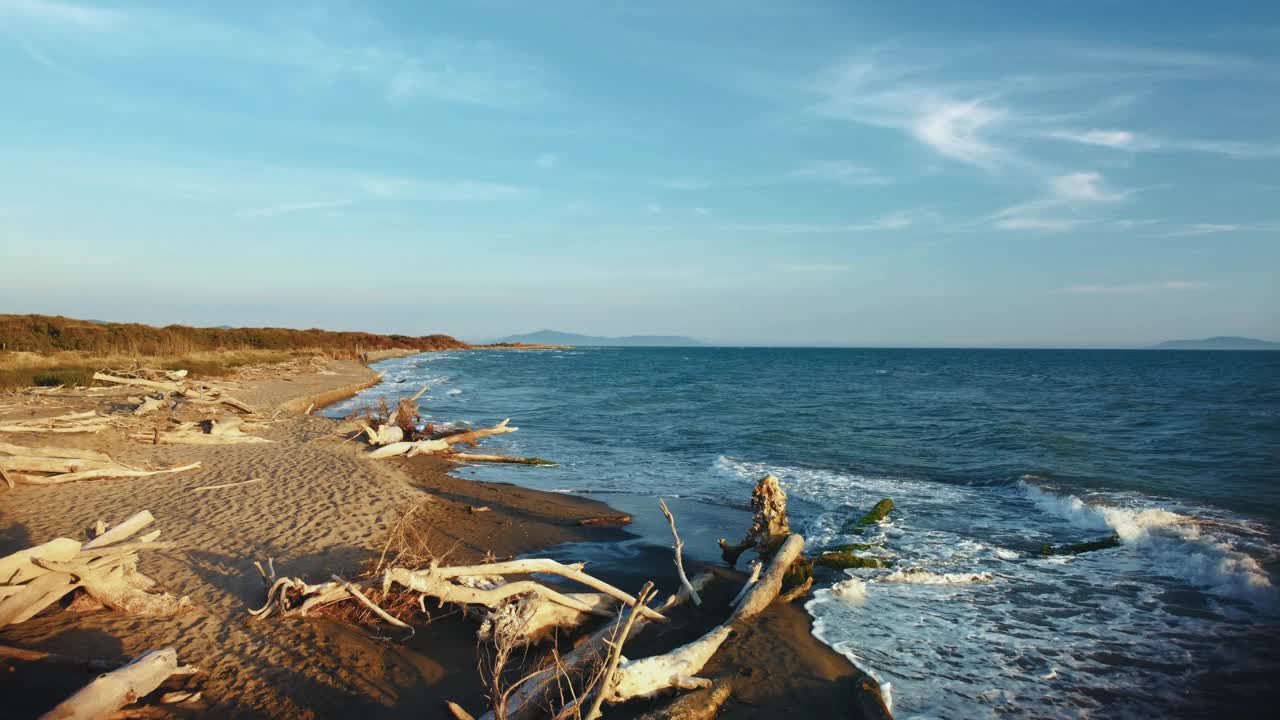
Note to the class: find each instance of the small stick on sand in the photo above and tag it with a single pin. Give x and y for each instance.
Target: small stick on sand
(226, 485)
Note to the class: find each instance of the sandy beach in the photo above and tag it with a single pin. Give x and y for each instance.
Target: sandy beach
(320, 509)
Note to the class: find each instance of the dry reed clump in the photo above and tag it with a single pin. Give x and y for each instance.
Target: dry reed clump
(408, 545)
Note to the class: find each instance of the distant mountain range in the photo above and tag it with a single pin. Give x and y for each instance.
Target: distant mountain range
(555, 337)
(1220, 343)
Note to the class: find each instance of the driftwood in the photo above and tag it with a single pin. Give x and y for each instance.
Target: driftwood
(539, 688)
(52, 452)
(384, 435)
(169, 387)
(113, 690)
(610, 676)
(473, 457)
(763, 592)
(105, 567)
(409, 449)
(698, 705)
(54, 466)
(678, 547)
(147, 405)
(472, 436)
(83, 422)
(769, 525)
(114, 472)
(225, 430)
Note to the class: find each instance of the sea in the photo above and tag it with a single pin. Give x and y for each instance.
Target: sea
(988, 455)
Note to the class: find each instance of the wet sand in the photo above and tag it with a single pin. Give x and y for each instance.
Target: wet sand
(324, 509)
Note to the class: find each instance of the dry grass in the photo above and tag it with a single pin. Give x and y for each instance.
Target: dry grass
(71, 368)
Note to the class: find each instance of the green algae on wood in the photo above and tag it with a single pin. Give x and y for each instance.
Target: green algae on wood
(1108, 542)
(850, 547)
(843, 560)
(878, 513)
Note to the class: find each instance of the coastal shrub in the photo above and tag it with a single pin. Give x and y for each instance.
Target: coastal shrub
(62, 376)
(48, 334)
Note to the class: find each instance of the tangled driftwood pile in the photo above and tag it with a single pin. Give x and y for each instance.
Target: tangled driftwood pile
(105, 568)
(523, 608)
(396, 433)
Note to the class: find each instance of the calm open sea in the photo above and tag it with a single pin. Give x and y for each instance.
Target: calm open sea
(987, 454)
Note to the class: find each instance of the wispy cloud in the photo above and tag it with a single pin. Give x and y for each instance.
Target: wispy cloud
(894, 221)
(956, 130)
(294, 207)
(1084, 187)
(1117, 139)
(1136, 288)
(436, 190)
(844, 173)
(58, 14)
(1036, 223)
(653, 209)
(1157, 57)
(686, 183)
(448, 69)
(1069, 193)
(954, 126)
(547, 161)
(811, 268)
(1136, 142)
(1206, 229)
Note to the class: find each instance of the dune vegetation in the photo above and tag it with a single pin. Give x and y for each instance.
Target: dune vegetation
(54, 350)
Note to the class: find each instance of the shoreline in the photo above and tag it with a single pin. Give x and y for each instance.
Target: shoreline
(325, 509)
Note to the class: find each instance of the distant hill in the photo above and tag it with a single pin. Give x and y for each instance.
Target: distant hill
(555, 337)
(1220, 343)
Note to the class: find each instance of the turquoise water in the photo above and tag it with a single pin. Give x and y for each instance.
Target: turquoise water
(988, 454)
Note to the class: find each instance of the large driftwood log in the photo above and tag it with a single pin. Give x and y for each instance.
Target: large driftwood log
(472, 436)
(53, 452)
(679, 668)
(170, 387)
(111, 691)
(769, 525)
(763, 592)
(409, 449)
(71, 423)
(20, 567)
(124, 530)
(698, 705)
(111, 472)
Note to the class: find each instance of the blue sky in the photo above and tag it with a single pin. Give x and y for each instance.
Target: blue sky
(983, 173)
